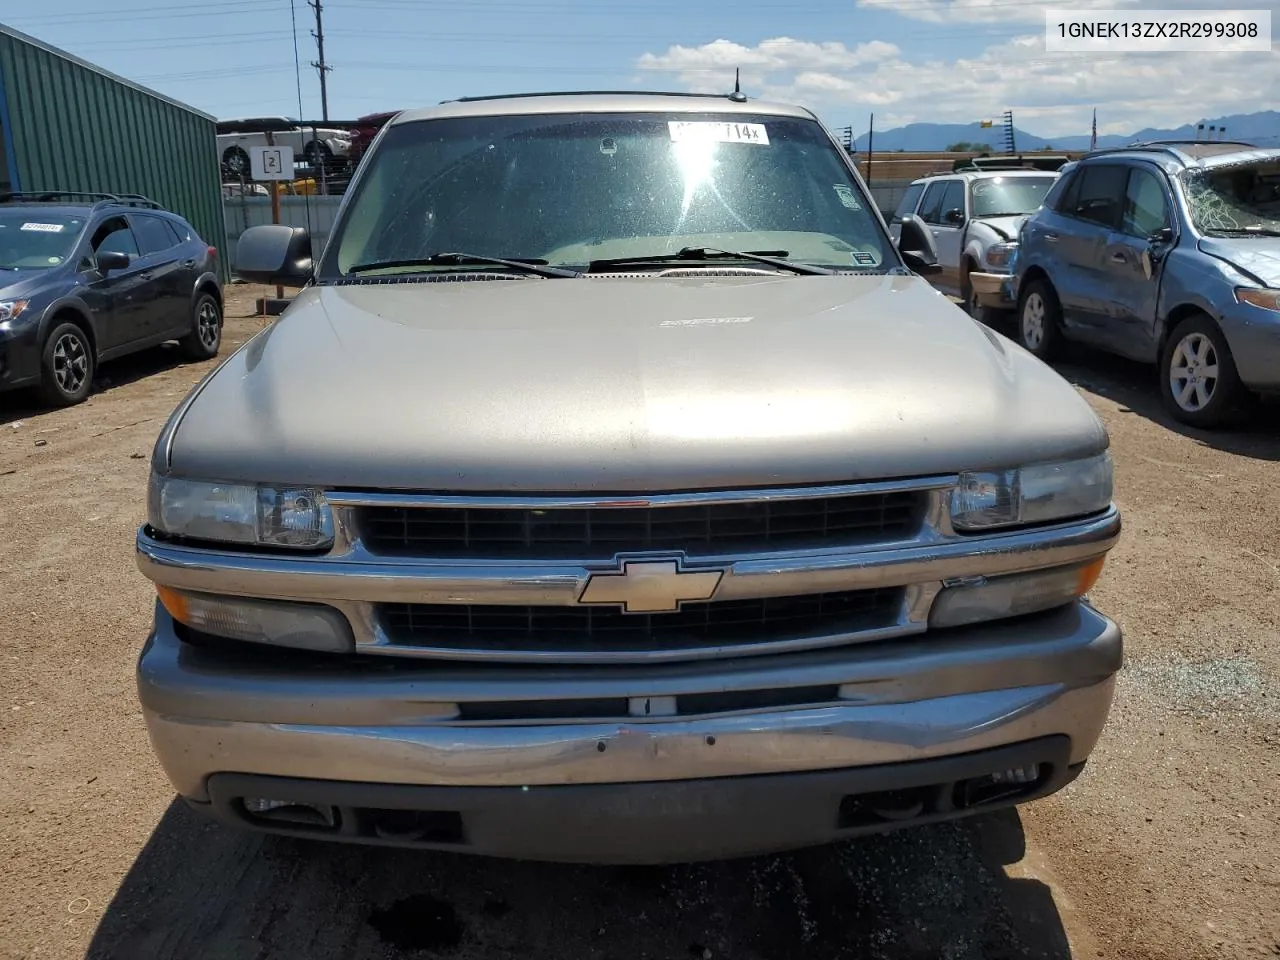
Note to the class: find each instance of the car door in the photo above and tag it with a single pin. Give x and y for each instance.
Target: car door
(168, 287)
(1134, 260)
(946, 221)
(125, 292)
(1081, 238)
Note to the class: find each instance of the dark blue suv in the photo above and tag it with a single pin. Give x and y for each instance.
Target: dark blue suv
(89, 277)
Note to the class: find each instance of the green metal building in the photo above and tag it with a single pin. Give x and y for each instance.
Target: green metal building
(68, 125)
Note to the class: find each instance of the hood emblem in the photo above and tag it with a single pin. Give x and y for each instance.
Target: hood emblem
(651, 586)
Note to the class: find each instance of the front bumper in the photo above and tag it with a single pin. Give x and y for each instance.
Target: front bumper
(362, 738)
(992, 290)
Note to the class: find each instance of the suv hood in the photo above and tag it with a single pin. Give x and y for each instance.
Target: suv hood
(624, 384)
(16, 283)
(1258, 256)
(1008, 226)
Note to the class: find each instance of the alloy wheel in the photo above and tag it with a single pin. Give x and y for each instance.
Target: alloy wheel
(1033, 314)
(70, 363)
(1193, 372)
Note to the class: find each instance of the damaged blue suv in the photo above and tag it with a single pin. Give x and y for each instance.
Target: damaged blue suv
(86, 277)
(1167, 253)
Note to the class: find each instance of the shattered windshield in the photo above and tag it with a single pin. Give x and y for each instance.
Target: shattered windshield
(32, 240)
(1008, 196)
(572, 189)
(1235, 198)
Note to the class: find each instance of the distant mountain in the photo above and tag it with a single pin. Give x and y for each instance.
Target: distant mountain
(1262, 128)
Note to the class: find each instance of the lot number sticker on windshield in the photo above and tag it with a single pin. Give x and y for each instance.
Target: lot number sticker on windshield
(704, 130)
(846, 196)
(43, 227)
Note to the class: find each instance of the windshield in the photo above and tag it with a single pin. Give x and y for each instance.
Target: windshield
(34, 240)
(1008, 196)
(569, 189)
(1238, 197)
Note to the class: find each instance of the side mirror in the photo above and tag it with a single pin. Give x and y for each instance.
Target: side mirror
(109, 260)
(915, 243)
(1162, 236)
(955, 216)
(274, 254)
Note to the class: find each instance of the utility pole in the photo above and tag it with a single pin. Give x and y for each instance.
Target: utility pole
(320, 65)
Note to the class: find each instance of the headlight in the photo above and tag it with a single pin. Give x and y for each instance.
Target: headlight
(1000, 255)
(1040, 493)
(1264, 297)
(296, 517)
(12, 309)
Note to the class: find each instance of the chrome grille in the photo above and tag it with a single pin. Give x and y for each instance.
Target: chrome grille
(601, 531)
(587, 629)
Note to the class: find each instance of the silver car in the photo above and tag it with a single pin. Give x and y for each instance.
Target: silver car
(1168, 253)
(613, 491)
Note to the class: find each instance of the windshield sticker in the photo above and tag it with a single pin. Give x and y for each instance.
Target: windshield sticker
(979, 188)
(864, 259)
(707, 130)
(846, 197)
(43, 227)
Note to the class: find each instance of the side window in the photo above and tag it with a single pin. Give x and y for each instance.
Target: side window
(1101, 198)
(181, 234)
(154, 235)
(1062, 195)
(908, 202)
(952, 199)
(930, 208)
(1145, 209)
(114, 236)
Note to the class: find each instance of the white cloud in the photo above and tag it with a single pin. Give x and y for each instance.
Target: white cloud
(987, 11)
(1051, 94)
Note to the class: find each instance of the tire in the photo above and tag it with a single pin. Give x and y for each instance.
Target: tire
(1198, 378)
(1040, 320)
(235, 163)
(66, 366)
(205, 338)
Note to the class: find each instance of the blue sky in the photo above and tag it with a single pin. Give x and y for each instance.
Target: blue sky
(906, 60)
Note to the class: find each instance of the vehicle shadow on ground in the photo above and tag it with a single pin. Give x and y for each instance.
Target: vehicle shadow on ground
(1135, 386)
(24, 404)
(201, 890)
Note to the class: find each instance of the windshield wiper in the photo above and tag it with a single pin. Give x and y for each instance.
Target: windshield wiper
(1246, 231)
(530, 265)
(703, 254)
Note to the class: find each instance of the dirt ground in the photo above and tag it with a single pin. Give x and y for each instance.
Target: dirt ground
(1167, 847)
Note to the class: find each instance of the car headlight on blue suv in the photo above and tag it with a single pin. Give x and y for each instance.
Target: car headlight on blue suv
(1264, 297)
(1038, 493)
(12, 309)
(1000, 256)
(235, 513)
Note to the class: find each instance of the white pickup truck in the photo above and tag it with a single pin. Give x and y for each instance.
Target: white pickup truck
(974, 218)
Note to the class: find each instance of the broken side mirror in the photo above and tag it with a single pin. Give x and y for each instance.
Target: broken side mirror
(917, 248)
(954, 216)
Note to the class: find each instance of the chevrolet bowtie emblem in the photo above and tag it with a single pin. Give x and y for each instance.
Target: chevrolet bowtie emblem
(651, 586)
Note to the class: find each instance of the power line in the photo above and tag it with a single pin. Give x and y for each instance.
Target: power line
(320, 65)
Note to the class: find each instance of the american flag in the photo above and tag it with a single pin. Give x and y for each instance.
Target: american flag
(1093, 139)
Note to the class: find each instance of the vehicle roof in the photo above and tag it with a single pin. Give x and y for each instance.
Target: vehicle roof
(54, 209)
(984, 175)
(600, 102)
(1175, 156)
(86, 207)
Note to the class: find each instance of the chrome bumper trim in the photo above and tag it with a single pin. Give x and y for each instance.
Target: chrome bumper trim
(358, 576)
